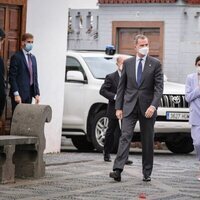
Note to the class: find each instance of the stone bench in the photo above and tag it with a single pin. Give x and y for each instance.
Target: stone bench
(21, 152)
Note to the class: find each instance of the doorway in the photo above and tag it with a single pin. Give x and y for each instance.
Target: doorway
(123, 35)
(12, 21)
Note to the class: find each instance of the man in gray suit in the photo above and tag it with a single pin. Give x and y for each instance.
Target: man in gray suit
(138, 97)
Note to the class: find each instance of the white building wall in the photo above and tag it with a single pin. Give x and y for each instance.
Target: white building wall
(171, 16)
(76, 4)
(181, 32)
(190, 42)
(82, 37)
(47, 21)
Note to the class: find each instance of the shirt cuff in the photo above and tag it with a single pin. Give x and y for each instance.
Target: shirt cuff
(16, 93)
(153, 107)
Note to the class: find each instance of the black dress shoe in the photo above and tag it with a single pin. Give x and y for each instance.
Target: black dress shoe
(116, 175)
(146, 179)
(107, 159)
(128, 162)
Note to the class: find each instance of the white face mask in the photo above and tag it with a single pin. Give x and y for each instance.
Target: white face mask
(144, 50)
(198, 69)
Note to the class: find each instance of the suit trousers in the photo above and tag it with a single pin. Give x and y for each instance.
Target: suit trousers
(113, 125)
(147, 140)
(24, 100)
(2, 103)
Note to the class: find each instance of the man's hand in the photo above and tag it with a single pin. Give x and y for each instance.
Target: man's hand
(18, 99)
(119, 114)
(150, 111)
(37, 99)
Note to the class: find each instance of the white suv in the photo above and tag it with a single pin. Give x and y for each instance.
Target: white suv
(84, 119)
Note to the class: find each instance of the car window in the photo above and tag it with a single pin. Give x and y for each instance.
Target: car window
(101, 66)
(72, 64)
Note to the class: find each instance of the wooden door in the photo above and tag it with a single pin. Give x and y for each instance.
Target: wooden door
(124, 32)
(126, 40)
(153, 35)
(12, 21)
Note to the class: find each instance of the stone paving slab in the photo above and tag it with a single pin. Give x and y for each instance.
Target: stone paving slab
(84, 176)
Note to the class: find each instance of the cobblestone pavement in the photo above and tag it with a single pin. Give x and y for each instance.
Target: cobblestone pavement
(84, 176)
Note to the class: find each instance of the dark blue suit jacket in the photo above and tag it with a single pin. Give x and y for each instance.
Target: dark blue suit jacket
(2, 87)
(19, 77)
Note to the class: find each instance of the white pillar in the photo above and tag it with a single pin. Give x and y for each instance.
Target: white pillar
(47, 21)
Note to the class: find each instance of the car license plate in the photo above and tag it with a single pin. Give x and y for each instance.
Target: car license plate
(177, 115)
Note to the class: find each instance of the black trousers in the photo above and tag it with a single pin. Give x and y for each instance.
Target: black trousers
(24, 100)
(113, 126)
(2, 103)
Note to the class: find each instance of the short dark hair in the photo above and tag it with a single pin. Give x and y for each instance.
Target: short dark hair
(2, 34)
(26, 36)
(197, 60)
(139, 36)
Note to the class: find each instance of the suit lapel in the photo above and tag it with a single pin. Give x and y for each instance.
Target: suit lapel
(24, 58)
(133, 71)
(25, 62)
(116, 79)
(147, 66)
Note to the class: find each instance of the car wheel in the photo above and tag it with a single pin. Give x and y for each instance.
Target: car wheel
(82, 144)
(98, 130)
(181, 146)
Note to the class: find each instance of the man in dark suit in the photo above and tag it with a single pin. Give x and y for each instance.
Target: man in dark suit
(2, 82)
(23, 76)
(109, 90)
(138, 96)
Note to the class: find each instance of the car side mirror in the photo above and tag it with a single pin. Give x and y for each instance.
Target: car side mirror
(74, 76)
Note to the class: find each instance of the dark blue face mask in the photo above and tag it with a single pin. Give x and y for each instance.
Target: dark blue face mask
(28, 47)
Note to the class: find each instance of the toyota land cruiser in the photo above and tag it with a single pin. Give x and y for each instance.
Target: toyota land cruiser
(84, 119)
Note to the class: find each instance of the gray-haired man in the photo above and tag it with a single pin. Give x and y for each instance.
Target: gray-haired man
(138, 96)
